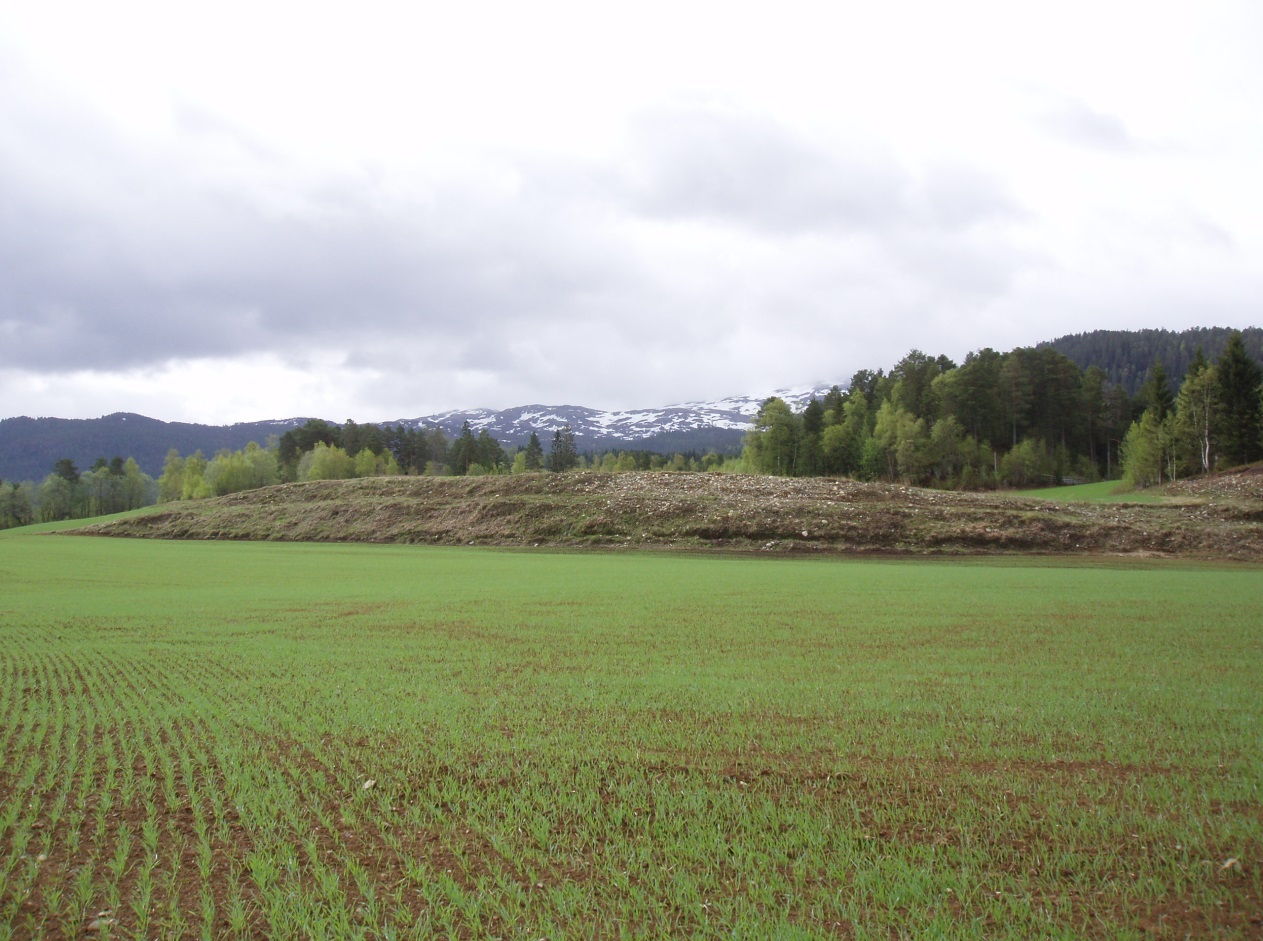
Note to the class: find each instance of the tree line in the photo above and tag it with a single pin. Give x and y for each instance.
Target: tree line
(1126, 356)
(66, 493)
(317, 450)
(1215, 420)
(1017, 419)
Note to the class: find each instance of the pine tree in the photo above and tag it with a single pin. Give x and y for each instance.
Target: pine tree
(1156, 393)
(464, 450)
(1239, 417)
(1196, 364)
(564, 456)
(810, 457)
(66, 470)
(534, 455)
(488, 451)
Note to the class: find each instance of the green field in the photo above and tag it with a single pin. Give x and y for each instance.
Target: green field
(334, 741)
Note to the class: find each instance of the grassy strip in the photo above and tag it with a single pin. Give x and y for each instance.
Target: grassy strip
(1104, 491)
(340, 741)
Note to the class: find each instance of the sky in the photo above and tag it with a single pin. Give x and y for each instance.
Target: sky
(242, 211)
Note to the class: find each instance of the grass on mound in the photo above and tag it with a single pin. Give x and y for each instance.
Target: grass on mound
(60, 526)
(346, 741)
(1104, 491)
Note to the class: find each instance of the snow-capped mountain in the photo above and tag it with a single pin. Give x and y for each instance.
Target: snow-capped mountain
(592, 426)
(29, 447)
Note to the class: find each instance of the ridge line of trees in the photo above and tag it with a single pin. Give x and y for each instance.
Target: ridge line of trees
(1126, 356)
(317, 450)
(1017, 419)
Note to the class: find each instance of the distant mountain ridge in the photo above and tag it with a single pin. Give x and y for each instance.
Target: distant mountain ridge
(29, 447)
(598, 428)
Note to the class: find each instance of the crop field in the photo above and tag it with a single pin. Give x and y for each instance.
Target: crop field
(243, 740)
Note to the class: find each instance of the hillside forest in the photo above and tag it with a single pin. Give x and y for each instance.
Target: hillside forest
(1018, 419)
(1025, 418)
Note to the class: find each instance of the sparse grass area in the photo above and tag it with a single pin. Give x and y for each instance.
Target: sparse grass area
(334, 741)
(1104, 491)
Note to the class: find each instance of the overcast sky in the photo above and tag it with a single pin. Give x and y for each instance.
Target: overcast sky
(238, 211)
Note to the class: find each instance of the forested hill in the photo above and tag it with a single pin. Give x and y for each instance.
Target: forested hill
(30, 446)
(1126, 355)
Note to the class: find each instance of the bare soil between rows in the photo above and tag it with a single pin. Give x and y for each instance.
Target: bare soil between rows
(1214, 517)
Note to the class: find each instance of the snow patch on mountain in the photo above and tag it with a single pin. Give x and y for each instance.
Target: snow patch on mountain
(514, 425)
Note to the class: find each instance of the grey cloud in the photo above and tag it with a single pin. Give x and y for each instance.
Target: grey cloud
(960, 196)
(961, 272)
(1206, 233)
(120, 257)
(946, 227)
(1074, 121)
(212, 129)
(750, 170)
(747, 170)
(114, 255)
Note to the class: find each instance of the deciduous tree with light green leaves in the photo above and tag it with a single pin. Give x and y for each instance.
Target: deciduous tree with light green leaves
(1147, 451)
(326, 462)
(1196, 414)
(61, 499)
(843, 442)
(771, 446)
(901, 440)
(171, 482)
(946, 451)
(16, 504)
(236, 471)
(1027, 464)
(376, 464)
(195, 486)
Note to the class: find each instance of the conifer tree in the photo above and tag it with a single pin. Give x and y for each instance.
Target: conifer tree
(534, 454)
(1156, 394)
(1239, 407)
(564, 456)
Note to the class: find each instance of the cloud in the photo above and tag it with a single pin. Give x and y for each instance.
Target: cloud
(114, 254)
(1075, 122)
(524, 278)
(959, 196)
(727, 167)
(705, 241)
(735, 167)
